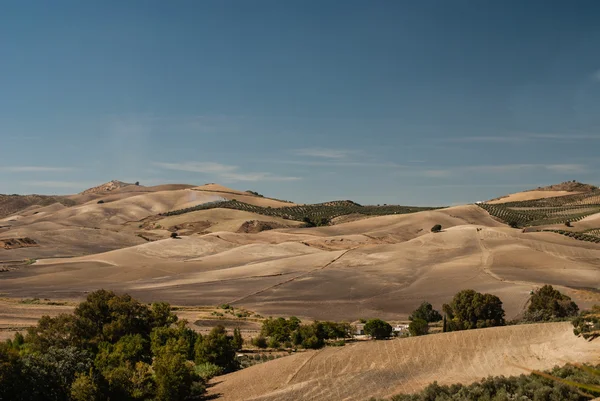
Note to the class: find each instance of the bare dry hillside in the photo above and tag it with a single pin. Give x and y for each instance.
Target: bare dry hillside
(384, 368)
(375, 266)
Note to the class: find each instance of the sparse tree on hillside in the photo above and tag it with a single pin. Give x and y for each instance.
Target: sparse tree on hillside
(547, 303)
(436, 229)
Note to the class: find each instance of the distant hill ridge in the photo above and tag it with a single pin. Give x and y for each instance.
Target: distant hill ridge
(106, 187)
(569, 186)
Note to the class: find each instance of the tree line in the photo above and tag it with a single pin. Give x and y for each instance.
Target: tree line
(114, 348)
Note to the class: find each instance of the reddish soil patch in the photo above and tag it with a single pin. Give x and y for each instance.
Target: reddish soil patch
(256, 226)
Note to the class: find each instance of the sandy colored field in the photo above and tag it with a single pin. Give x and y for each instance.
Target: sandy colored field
(381, 266)
(530, 195)
(384, 368)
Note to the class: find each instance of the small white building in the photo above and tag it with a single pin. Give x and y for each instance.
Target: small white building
(399, 328)
(359, 329)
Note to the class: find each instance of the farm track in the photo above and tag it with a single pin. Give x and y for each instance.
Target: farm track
(293, 278)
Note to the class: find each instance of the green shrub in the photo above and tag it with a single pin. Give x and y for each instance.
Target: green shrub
(418, 327)
(208, 370)
(427, 313)
(378, 329)
(260, 342)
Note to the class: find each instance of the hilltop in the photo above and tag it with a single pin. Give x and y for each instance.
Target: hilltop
(550, 191)
(569, 186)
(106, 187)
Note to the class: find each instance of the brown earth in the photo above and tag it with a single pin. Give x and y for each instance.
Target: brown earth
(257, 226)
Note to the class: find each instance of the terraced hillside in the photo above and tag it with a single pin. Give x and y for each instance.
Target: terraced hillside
(321, 212)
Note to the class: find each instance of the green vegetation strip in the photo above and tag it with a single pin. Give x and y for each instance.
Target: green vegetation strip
(316, 212)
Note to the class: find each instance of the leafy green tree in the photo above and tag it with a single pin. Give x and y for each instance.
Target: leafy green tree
(217, 348)
(472, 310)
(11, 373)
(547, 303)
(49, 375)
(174, 376)
(127, 351)
(179, 336)
(143, 386)
(52, 332)
(418, 327)
(84, 388)
(162, 315)
(105, 316)
(378, 329)
(427, 313)
(280, 328)
(238, 340)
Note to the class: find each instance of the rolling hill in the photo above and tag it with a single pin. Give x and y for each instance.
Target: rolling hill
(385, 368)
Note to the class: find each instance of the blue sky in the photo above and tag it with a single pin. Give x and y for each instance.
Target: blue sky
(429, 102)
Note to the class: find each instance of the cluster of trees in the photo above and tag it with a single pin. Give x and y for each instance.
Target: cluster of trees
(420, 319)
(316, 221)
(470, 309)
(113, 347)
(523, 387)
(547, 304)
(291, 332)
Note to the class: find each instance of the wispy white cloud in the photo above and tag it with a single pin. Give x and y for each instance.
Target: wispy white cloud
(563, 137)
(334, 163)
(493, 169)
(34, 169)
(58, 184)
(487, 139)
(198, 167)
(324, 153)
(227, 173)
(524, 137)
